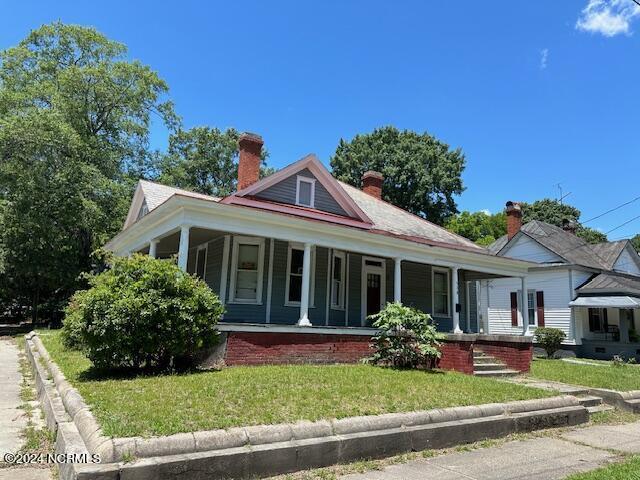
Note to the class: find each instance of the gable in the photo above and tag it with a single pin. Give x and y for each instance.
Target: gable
(627, 263)
(526, 248)
(281, 187)
(285, 192)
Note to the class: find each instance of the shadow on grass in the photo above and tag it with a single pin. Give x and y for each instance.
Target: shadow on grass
(93, 374)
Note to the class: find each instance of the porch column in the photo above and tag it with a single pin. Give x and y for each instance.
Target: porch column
(183, 249)
(524, 308)
(397, 280)
(456, 300)
(153, 247)
(306, 283)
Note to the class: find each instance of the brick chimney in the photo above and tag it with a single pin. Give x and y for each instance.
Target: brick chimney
(514, 218)
(569, 226)
(372, 183)
(250, 146)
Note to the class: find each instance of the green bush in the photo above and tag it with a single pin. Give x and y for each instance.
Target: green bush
(407, 338)
(550, 339)
(142, 312)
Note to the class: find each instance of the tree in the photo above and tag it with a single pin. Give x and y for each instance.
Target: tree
(421, 173)
(203, 160)
(635, 241)
(554, 212)
(74, 127)
(478, 227)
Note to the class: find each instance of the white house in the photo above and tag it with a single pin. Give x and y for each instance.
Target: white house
(591, 292)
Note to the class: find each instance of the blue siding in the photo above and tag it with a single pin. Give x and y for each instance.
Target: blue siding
(354, 291)
(213, 268)
(285, 192)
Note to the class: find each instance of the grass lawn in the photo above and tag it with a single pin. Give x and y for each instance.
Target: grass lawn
(622, 378)
(627, 470)
(167, 404)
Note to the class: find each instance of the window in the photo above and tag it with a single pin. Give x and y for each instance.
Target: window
(441, 296)
(201, 260)
(598, 320)
(337, 280)
(246, 274)
(306, 192)
(144, 209)
(295, 259)
(531, 305)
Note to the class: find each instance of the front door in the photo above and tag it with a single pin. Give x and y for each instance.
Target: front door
(373, 285)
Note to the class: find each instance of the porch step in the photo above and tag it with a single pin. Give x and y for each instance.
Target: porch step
(589, 401)
(491, 366)
(504, 372)
(599, 408)
(484, 359)
(632, 405)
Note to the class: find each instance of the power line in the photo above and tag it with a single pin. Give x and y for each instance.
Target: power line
(613, 209)
(622, 225)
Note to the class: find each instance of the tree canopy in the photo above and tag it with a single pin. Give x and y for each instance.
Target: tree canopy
(479, 227)
(635, 241)
(74, 128)
(421, 173)
(203, 160)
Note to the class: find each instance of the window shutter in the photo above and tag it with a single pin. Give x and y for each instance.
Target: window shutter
(514, 309)
(540, 306)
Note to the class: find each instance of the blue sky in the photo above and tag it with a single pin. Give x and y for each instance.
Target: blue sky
(535, 93)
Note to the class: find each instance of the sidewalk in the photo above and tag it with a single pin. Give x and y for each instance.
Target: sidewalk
(12, 419)
(577, 450)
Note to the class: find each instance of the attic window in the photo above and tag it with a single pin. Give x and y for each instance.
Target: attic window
(144, 209)
(305, 192)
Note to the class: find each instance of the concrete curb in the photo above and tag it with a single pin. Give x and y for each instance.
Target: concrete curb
(274, 449)
(629, 401)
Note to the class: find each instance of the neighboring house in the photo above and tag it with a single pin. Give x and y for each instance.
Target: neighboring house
(301, 252)
(591, 292)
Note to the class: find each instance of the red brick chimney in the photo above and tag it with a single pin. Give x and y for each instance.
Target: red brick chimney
(569, 226)
(514, 219)
(250, 146)
(372, 183)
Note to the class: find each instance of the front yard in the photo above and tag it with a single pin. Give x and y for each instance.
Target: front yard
(167, 404)
(603, 375)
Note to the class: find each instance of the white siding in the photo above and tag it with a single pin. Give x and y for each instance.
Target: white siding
(525, 248)
(554, 284)
(626, 263)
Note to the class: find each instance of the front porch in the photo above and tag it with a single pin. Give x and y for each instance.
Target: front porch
(278, 281)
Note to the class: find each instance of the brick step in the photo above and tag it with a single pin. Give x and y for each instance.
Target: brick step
(487, 359)
(479, 367)
(589, 400)
(505, 372)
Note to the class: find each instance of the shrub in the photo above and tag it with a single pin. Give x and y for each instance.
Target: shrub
(142, 312)
(550, 339)
(407, 338)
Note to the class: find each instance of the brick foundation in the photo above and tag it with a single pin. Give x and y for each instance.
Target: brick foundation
(261, 348)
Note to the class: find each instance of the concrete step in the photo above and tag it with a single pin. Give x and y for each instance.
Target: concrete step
(505, 372)
(478, 367)
(485, 359)
(599, 408)
(589, 401)
(633, 405)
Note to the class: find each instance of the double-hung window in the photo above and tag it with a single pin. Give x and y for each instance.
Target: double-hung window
(532, 307)
(337, 280)
(305, 191)
(598, 321)
(441, 294)
(295, 259)
(246, 274)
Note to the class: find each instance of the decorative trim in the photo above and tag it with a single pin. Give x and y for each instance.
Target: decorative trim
(237, 241)
(269, 281)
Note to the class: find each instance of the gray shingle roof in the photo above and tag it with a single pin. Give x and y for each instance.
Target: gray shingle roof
(156, 193)
(570, 247)
(611, 283)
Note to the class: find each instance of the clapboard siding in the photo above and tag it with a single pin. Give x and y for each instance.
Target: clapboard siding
(525, 248)
(627, 263)
(214, 264)
(554, 284)
(416, 286)
(354, 289)
(285, 192)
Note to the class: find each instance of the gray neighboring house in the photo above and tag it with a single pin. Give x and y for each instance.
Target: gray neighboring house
(591, 292)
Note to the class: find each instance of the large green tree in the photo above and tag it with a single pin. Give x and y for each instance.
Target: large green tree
(635, 241)
(203, 160)
(479, 227)
(421, 173)
(74, 127)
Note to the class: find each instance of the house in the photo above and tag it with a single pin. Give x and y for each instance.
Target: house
(301, 260)
(591, 292)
